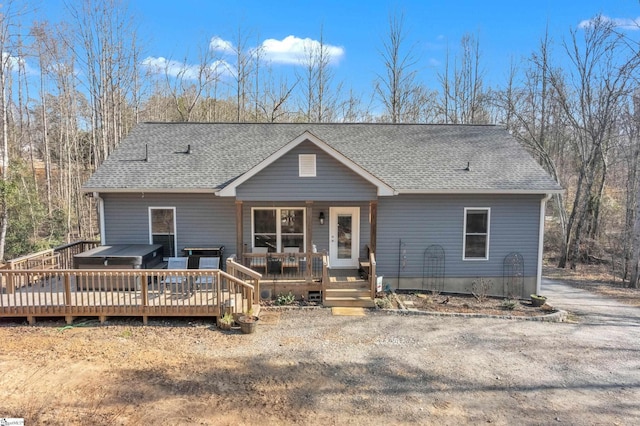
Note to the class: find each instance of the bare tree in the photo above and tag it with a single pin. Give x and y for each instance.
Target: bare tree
(6, 22)
(317, 82)
(242, 71)
(590, 94)
(463, 98)
(531, 113)
(104, 42)
(397, 85)
(630, 149)
(635, 264)
(271, 103)
(187, 84)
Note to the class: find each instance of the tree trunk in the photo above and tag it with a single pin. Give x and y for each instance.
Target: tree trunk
(635, 270)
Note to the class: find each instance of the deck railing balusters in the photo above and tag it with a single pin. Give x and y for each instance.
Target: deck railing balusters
(105, 293)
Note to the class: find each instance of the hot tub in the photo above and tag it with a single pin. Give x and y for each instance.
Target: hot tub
(118, 256)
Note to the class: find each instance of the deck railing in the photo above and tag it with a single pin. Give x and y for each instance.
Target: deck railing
(245, 274)
(60, 257)
(117, 292)
(67, 251)
(285, 266)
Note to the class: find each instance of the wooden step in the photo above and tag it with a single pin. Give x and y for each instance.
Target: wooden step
(363, 302)
(348, 297)
(361, 285)
(348, 292)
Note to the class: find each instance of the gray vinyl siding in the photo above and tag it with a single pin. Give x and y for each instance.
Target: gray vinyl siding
(320, 232)
(422, 220)
(201, 219)
(280, 181)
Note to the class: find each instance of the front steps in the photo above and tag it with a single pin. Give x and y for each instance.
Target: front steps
(361, 299)
(348, 290)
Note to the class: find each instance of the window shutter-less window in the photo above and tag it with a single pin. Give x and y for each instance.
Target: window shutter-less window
(307, 165)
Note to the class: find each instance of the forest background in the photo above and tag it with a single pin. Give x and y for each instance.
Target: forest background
(573, 102)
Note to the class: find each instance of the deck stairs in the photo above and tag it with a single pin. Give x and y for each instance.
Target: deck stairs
(347, 289)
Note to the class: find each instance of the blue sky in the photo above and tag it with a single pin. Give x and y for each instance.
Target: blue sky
(507, 30)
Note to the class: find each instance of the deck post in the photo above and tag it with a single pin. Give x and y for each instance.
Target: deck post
(325, 278)
(145, 290)
(309, 246)
(239, 232)
(67, 290)
(219, 293)
(373, 222)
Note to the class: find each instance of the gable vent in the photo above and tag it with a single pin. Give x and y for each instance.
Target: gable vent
(307, 165)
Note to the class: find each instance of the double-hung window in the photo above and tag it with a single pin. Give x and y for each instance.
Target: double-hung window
(162, 229)
(277, 228)
(476, 233)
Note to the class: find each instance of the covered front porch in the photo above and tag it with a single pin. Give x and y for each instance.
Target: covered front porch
(310, 248)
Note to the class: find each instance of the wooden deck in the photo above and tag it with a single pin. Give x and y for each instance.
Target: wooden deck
(104, 293)
(43, 285)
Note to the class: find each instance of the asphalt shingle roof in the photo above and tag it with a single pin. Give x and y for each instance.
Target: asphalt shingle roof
(408, 157)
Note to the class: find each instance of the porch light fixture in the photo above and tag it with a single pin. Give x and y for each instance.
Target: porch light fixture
(321, 218)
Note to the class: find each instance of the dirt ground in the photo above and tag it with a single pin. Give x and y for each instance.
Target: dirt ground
(309, 367)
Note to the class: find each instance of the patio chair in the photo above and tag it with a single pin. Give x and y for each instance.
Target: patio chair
(207, 263)
(259, 262)
(174, 263)
(290, 261)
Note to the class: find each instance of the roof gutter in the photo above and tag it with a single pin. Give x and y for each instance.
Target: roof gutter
(482, 191)
(151, 190)
(96, 195)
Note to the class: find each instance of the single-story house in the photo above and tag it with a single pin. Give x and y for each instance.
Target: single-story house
(437, 206)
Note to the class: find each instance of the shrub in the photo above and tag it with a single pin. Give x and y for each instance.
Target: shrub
(480, 289)
(509, 304)
(383, 302)
(285, 299)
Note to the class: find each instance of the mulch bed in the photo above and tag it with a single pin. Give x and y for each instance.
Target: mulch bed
(450, 303)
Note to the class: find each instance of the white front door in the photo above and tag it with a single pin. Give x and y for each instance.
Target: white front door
(344, 237)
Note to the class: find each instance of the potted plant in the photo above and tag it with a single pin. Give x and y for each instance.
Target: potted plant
(226, 321)
(537, 300)
(247, 322)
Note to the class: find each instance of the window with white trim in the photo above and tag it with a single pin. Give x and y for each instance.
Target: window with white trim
(476, 233)
(307, 165)
(277, 228)
(162, 229)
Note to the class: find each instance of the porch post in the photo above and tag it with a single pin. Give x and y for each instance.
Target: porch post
(239, 233)
(309, 245)
(373, 219)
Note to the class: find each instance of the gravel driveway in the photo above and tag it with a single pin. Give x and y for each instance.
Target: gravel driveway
(590, 308)
(309, 367)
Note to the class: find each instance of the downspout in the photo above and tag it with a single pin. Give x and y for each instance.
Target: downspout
(96, 195)
(543, 205)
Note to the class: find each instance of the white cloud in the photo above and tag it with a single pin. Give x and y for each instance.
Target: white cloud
(622, 23)
(220, 45)
(434, 62)
(14, 62)
(292, 50)
(173, 68)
